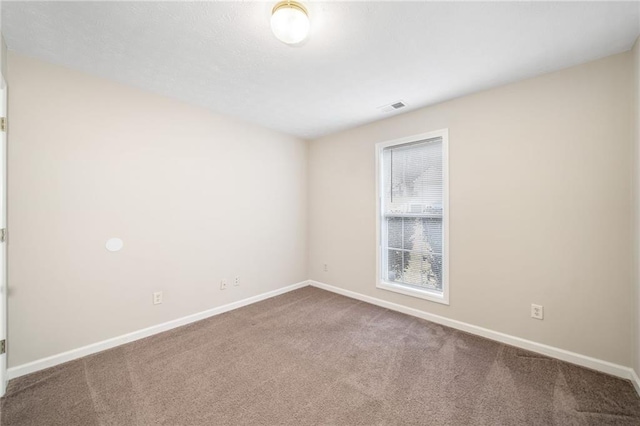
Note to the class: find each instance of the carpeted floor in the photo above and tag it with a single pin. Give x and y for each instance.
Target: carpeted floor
(313, 357)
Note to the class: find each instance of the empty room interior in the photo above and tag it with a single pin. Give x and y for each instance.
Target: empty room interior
(319, 213)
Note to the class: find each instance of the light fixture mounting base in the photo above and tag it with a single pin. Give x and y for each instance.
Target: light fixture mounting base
(292, 4)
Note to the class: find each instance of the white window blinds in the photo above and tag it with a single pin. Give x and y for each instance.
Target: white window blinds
(412, 213)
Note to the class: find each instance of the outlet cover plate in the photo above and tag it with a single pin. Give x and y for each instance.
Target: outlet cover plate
(537, 311)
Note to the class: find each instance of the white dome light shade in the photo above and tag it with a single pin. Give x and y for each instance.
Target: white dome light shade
(114, 244)
(290, 22)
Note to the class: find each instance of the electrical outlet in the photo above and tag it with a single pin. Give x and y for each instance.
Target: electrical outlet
(223, 284)
(157, 298)
(236, 281)
(326, 267)
(537, 311)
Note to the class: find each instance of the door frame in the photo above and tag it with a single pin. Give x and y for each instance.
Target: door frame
(3, 242)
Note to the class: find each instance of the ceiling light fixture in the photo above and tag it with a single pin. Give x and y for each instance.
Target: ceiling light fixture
(290, 22)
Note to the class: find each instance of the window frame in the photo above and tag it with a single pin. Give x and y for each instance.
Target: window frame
(426, 294)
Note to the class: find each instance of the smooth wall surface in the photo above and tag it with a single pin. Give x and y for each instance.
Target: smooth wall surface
(196, 198)
(540, 207)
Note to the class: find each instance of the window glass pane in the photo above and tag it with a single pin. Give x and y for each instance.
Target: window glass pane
(413, 178)
(423, 234)
(423, 269)
(413, 268)
(394, 229)
(414, 234)
(434, 280)
(394, 270)
(433, 233)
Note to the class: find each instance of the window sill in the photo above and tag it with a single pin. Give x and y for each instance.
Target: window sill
(414, 292)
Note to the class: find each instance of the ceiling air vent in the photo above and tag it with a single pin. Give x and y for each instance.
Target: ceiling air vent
(392, 107)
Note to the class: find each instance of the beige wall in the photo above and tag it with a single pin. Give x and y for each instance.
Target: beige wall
(3, 57)
(196, 197)
(635, 54)
(540, 207)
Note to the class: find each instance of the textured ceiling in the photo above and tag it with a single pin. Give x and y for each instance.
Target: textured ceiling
(360, 55)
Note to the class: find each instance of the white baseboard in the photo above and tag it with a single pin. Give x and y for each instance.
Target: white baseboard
(635, 380)
(50, 361)
(561, 354)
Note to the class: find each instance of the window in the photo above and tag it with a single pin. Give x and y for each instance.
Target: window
(412, 175)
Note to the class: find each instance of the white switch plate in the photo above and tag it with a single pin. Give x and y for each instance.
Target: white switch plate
(223, 284)
(157, 298)
(537, 311)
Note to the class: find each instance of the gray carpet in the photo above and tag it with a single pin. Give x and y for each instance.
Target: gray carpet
(313, 357)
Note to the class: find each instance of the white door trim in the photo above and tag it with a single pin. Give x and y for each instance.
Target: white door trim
(3, 245)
